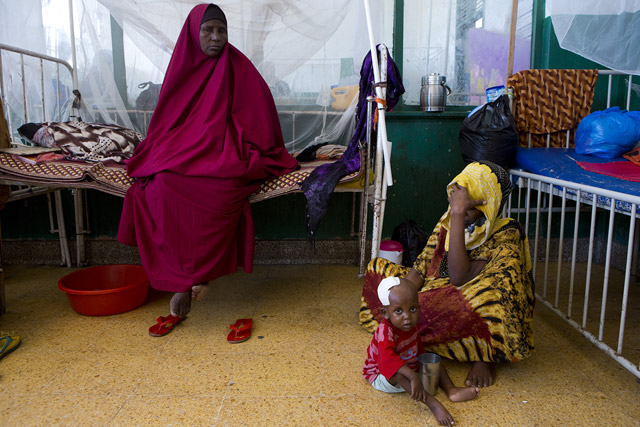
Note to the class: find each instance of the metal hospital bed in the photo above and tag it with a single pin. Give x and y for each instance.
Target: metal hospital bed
(29, 180)
(577, 276)
(22, 190)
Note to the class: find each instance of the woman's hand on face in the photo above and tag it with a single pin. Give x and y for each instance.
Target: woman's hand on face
(460, 201)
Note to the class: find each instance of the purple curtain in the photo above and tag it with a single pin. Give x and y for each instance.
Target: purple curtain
(320, 184)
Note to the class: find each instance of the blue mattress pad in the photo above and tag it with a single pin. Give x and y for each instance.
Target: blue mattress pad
(560, 163)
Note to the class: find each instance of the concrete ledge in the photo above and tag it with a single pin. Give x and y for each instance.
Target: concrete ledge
(110, 251)
(288, 251)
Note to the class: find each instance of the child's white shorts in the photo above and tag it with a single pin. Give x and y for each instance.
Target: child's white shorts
(382, 384)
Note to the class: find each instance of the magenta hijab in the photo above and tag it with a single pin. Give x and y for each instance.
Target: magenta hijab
(215, 117)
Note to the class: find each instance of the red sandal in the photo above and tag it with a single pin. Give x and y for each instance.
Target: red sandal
(164, 325)
(240, 331)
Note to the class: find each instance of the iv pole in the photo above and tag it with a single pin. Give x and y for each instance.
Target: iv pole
(383, 178)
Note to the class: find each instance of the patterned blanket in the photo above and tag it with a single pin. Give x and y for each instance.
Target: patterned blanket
(551, 101)
(113, 178)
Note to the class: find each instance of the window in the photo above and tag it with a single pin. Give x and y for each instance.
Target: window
(467, 41)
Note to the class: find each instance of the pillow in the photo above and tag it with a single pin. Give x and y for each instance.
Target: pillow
(93, 142)
(28, 133)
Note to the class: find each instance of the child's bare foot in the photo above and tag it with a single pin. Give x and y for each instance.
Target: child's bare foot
(199, 291)
(480, 375)
(440, 412)
(461, 394)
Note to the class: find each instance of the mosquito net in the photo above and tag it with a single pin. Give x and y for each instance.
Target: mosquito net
(604, 32)
(308, 51)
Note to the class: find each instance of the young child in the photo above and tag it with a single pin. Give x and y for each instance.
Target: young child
(392, 357)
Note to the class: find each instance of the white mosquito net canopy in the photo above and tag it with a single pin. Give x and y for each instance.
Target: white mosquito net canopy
(308, 51)
(606, 32)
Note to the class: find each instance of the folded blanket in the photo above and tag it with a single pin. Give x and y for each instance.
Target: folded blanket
(628, 171)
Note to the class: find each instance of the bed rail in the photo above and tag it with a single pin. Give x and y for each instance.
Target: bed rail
(539, 199)
(28, 112)
(43, 110)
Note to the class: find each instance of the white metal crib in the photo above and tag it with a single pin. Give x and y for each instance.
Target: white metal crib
(598, 309)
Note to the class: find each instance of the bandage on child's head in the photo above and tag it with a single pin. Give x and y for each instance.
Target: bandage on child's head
(384, 288)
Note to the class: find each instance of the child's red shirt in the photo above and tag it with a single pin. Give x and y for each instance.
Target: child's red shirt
(390, 349)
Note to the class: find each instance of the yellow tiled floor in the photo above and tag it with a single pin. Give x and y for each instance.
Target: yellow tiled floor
(301, 367)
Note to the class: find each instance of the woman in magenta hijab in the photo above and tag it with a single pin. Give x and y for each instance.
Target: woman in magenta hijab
(213, 136)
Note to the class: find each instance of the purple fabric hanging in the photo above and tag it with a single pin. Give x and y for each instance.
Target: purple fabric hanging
(319, 185)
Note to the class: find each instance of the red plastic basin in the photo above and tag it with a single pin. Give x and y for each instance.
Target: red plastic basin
(106, 289)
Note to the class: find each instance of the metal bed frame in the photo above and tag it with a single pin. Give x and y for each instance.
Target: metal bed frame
(20, 191)
(536, 197)
(373, 192)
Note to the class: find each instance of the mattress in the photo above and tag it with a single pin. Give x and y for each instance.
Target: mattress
(112, 178)
(561, 163)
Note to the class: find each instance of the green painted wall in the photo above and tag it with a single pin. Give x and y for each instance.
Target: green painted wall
(425, 156)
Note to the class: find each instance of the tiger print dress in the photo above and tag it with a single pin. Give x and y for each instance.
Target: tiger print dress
(487, 319)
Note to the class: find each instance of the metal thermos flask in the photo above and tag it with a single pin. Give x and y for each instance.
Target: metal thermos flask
(433, 93)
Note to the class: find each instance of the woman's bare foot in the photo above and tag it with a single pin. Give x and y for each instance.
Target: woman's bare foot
(180, 304)
(462, 394)
(199, 291)
(480, 375)
(440, 412)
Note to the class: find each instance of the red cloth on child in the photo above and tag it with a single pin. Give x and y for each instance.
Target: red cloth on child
(391, 349)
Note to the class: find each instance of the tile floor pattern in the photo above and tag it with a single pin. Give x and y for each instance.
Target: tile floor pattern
(301, 367)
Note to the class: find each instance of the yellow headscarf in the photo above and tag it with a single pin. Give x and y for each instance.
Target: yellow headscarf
(484, 181)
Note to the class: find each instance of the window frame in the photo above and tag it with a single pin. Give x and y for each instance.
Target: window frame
(536, 56)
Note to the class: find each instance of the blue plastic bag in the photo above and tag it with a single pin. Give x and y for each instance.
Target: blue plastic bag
(609, 133)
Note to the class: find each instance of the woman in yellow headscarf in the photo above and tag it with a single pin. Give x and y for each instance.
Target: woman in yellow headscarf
(474, 278)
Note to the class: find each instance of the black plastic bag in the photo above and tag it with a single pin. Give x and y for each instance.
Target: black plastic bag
(489, 133)
(148, 98)
(413, 239)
